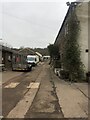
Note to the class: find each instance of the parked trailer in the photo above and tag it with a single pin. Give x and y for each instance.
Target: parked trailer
(19, 62)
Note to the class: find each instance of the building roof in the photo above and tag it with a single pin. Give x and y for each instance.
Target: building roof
(72, 4)
(38, 54)
(4, 48)
(27, 51)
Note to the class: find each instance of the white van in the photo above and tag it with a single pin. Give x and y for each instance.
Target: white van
(32, 59)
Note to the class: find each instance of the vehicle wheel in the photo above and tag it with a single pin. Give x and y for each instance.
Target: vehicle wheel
(30, 68)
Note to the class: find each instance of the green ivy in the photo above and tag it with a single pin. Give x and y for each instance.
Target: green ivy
(72, 61)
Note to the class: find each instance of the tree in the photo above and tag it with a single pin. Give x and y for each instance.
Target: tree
(43, 51)
(54, 55)
(53, 51)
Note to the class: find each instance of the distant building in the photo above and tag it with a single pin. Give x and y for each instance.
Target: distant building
(39, 55)
(26, 51)
(82, 12)
(46, 57)
(7, 57)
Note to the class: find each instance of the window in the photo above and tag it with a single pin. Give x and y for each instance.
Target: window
(66, 29)
(9, 58)
(87, 50)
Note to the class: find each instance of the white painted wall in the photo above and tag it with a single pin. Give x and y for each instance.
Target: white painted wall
(89, 36)
(82, 13)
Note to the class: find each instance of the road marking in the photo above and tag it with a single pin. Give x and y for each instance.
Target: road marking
(1, 117)
(11, 85)
(30, 85)
(20, 110)
(33, 85)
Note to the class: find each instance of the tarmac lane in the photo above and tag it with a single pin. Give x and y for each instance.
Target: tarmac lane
(45, 104)
(41, 94)
(31, 96)
(16, 88)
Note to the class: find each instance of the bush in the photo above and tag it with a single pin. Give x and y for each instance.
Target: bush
(57, 64)
(64, 74)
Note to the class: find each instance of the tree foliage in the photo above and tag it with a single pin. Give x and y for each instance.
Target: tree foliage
(43, 51)
(54, 55)
(53, 51)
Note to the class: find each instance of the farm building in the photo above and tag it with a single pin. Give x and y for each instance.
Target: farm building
(81, 10)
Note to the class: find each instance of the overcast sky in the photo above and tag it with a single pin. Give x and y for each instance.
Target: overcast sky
(31, 24)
